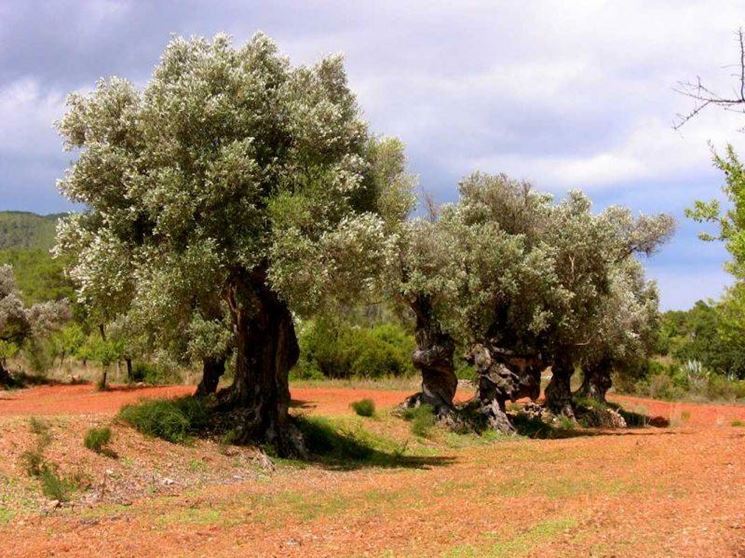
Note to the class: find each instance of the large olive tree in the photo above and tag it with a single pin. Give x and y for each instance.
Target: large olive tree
(228, 160)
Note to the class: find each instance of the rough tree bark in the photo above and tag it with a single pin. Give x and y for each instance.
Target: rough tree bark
(266, 349)
(503, 376)
(596, 380)
(6, 380)
(128, 362)
(212, 370)
(433, 357)
(558, 391)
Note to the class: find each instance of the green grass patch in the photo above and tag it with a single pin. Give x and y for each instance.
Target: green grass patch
(737, 423)
(520, 545)
(364, 407)
(174, 420)
(97, 439)
(5, 516)
(422, 419)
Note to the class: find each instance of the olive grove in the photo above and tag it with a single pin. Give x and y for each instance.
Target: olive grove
(236, 193)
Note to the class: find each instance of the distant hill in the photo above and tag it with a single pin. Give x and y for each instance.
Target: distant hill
(25, 230)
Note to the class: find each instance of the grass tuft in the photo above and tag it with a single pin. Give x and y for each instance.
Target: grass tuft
(174, 420)
(422, 419)
(364, 407)
(96, 439)
(737, 423)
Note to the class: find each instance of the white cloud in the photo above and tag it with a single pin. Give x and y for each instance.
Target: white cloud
(27, 114)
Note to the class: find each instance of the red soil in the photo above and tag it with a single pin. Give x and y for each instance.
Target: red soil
(677, 491)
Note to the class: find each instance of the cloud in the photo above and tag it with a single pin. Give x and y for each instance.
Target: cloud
(568, 94)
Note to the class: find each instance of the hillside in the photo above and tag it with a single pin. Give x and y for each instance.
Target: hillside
(22, 229)
(25, 241)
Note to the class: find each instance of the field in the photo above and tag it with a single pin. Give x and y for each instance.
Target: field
(674, 491)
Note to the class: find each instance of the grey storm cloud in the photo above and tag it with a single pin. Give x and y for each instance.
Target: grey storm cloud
(567, 94)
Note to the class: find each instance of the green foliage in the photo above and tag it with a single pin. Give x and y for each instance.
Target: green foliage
(96, 439)
(174, 420)
(688, 381)
(154, 373)
(341, 350)
(422, 419)
(709, 333)
(21, 229)
(39, 276)
(731, 222)
(364, 407)
(54, 486)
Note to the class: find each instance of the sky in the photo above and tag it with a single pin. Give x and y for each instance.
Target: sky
(567, 95)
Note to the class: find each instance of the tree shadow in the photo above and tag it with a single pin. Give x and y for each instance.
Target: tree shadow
(638, 425)
(342, 449)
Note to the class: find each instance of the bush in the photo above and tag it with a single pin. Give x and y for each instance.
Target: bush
(364, 407)
(154, 374)
(174, 420)
(422, 419)
(342, 350)
(96, 439)
(54, 486)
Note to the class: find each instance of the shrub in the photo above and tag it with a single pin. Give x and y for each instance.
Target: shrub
(96, 439)
(153, 373)
(54, 486)
(343, 350)
(33, 462)
(174, 420)
(364, 407)
(422, 419)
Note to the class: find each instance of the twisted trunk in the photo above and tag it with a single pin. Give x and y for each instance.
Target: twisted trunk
(266, 349)
(6, 380)
(558, 391)
(596, 380)
(433, 357)
(212, 370)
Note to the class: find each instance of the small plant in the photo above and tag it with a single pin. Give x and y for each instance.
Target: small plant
(737, 423)
(364, 407)
(565, 423)
(53, 486)
(422, 419)
(174, 420)
(33, 462)
(96, 439)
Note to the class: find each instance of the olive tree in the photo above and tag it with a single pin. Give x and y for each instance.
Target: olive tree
(20, 324)
(625, 330)
(539, 304)
(227, 161)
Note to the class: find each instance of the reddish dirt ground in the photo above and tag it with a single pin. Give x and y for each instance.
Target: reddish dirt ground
(677, 491)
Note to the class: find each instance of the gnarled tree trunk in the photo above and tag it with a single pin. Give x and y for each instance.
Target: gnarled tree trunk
(128, 362)
(6, 380)
(559, 391)
(596, 380)
(433, 357)
(212, 370)
(266, 349)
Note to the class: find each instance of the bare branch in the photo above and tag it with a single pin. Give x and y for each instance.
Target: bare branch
(704, 97)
